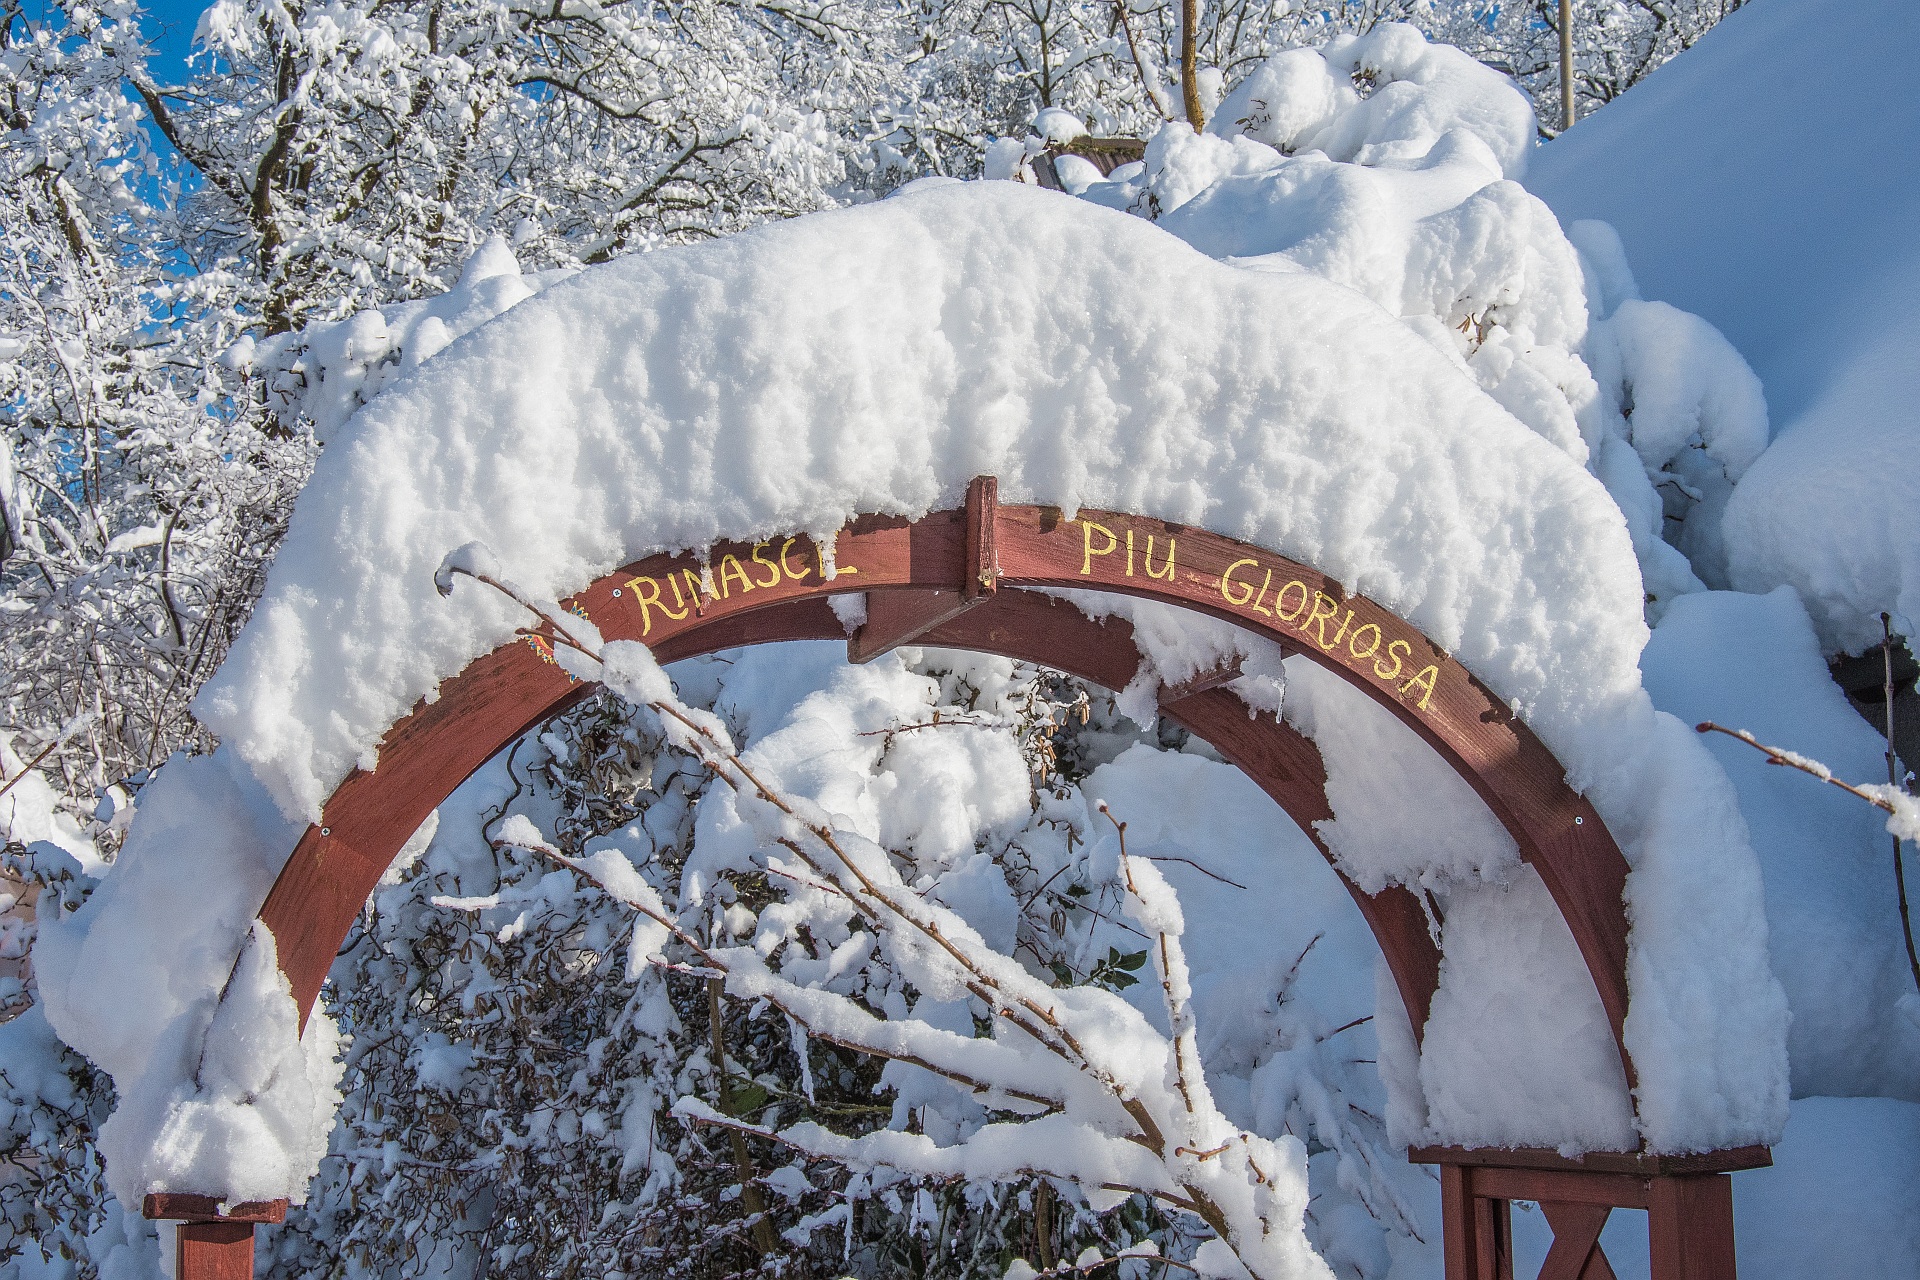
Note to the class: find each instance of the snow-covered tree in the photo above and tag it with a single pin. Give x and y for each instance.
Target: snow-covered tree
(1616, 43)
(356, 154)
(139, 509)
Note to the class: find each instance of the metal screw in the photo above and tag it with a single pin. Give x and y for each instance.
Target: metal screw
(616, 593)
(326, 831)
(1578, 821)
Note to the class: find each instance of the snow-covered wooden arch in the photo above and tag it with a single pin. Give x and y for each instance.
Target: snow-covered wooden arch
(956, 578)
(1205, 434)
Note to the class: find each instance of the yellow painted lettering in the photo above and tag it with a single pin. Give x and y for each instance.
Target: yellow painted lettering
(1373, 645)
(1345, 623)
(787, 566)
(820, 559)
(1396, 650)
(773, 568)
(1087, 529)
(731, 563)
(1281, 611)
(1264, 584)
(1325, 610)
(1227, 584)
(1423, 681)
(1167, 574)
(646, 593)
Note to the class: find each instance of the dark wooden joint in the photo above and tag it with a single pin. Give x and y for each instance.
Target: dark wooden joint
(174, 1206)
(983, 561)
(1225, 673)
(900, 617)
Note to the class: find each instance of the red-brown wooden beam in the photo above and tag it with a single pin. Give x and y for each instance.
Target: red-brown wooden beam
(776, 589)
(1281, 760)
(174, 1206)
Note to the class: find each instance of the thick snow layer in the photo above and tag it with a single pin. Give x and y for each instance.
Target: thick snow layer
(165, 981)
(1407, 195)
(1517, 1047)
(1759, 180)
(895, 351)
(1832, 922)
(898, 350)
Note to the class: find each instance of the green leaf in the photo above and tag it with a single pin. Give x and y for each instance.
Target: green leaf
(743, 1100)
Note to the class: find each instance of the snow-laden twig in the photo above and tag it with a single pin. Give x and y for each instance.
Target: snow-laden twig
(1902, 809)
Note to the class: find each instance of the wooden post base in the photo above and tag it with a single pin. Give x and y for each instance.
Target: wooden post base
(1688, 1199)
(215, 1240)
(214, 1251)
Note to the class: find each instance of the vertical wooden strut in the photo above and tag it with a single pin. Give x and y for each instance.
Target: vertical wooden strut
(901, 615)
(983, 557)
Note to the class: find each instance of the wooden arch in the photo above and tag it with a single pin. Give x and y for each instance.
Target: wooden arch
(944, 580)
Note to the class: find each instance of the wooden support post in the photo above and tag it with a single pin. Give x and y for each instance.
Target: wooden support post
(1688, 1199)
(213, 1251)
(1478, 1232)
(214, 1240)
(1690, 1227)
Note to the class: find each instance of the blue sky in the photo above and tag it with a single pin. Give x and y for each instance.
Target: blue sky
(170, 25)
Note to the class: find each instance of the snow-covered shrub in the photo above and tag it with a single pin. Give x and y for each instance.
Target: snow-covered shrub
(56, 1210)
(1389, 164)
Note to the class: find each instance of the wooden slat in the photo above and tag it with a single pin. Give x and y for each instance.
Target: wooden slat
(1616, 1190)
(1575, 1253)
(1639, 1163)
(175, 1206)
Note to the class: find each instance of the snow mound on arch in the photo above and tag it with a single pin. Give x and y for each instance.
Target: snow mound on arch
(876, 359)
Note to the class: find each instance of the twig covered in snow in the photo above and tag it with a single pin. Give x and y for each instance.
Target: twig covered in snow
(1902, 809)
(1104, 1101)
